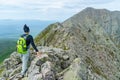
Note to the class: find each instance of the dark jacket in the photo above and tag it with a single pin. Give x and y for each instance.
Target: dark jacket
(29, 40)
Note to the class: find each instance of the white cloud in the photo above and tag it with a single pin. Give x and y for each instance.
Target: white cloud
(114, 5)
(50, 9)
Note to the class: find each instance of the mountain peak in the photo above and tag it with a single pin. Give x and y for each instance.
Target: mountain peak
(89, 8)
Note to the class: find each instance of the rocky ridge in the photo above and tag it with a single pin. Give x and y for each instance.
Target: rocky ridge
(84, 47)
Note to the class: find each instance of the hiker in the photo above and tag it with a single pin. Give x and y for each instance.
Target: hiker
(26, 54)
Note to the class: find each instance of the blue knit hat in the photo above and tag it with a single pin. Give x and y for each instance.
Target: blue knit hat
(26, 28)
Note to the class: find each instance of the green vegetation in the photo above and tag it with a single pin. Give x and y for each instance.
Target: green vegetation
(46, 35)
(1, 70)
(7, 46)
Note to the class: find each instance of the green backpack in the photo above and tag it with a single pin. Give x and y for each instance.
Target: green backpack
(21, 45)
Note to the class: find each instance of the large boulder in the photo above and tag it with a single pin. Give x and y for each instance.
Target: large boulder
(34, 71)
(12, 62)
(12, 65)
(47, 71)
(73, 71)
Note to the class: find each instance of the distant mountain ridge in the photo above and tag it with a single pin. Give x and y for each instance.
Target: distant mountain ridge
(14, 28)
(84, 47)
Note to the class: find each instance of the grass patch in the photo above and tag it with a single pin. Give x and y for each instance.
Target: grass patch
(1, 70)
(46, 35)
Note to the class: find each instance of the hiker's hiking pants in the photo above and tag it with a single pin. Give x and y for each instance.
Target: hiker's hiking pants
(25, 58)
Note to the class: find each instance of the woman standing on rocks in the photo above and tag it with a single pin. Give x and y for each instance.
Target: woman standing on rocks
(25, 56)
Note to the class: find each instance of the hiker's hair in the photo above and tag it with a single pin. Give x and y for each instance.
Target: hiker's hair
(26, 28)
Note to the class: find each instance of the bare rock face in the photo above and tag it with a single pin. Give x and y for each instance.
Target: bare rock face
(11, 66)
(44, 67)
(84, 47)
(47, 72)
(73, 72)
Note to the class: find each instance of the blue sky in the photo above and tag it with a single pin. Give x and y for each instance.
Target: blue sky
(50, 9)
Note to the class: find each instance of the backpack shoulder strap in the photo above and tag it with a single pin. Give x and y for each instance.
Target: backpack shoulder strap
(25, 36)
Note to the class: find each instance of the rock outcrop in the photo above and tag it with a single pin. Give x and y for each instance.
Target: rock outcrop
(45, 67)
(84, 47)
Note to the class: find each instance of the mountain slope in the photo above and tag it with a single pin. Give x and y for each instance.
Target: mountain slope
(89, 35)
(84, 47)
